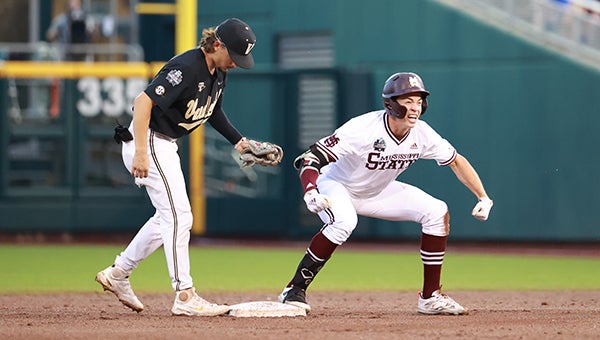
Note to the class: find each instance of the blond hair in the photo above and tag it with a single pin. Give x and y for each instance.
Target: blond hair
(208, 39)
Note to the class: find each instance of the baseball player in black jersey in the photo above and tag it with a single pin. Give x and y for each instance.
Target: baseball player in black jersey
(186, 93)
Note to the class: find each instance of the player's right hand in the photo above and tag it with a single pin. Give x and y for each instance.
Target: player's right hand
(315, 202)
(141, 165)
(482, 208)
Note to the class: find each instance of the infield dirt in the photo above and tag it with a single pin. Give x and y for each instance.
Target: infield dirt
(335, 315)
(340, 315)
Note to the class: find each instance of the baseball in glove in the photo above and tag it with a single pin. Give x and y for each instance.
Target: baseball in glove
(262, 153)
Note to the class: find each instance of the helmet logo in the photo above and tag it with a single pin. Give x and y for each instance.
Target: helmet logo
(413, 82)
(249, 48)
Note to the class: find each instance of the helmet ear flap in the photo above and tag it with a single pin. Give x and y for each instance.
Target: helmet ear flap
(393, 108)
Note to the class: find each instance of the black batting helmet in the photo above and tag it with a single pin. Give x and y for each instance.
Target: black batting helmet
(399, 84)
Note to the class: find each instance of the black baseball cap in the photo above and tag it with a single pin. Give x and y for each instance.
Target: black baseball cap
(239, 41)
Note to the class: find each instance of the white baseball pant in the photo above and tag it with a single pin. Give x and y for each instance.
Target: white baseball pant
(397, 202)
(171, 224)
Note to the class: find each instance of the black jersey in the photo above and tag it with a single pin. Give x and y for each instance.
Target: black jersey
(185, 93)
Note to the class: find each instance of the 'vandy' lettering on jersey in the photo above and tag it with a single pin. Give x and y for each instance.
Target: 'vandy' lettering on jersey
(199, 114)
(186, 94)
(396, 161)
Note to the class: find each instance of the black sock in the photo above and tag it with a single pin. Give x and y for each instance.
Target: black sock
(306, 271)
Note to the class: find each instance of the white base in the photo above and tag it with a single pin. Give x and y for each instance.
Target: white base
(261, 309)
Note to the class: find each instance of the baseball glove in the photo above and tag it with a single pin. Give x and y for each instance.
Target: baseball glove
(262, 153)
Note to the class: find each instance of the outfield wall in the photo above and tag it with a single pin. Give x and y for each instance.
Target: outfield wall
(524, 117)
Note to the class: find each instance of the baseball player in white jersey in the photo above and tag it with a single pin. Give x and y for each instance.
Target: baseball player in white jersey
(353, 172)
(186, 93)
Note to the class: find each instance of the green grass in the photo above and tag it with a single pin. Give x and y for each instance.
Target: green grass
(41, 269)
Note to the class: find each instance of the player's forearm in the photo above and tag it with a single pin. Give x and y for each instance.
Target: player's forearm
(221, 123)
(467, 175)
(141, 121)
(309, 164)
(308, 178)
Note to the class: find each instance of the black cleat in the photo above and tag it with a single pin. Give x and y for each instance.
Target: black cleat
(295, 297)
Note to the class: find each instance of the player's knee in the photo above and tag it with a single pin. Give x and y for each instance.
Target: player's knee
(437, 221)
(185, 219)
(339, 231)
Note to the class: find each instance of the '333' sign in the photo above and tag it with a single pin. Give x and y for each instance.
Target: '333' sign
(109, 96)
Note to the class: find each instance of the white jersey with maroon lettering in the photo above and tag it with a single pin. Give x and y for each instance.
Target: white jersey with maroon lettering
(368, 157)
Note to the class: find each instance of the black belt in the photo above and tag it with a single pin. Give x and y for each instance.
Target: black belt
(164, 137)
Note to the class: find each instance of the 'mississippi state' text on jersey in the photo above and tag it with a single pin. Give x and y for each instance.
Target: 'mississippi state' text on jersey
(368, 156)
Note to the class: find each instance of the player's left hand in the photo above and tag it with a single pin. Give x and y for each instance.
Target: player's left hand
(262, 153)
(316, 202)
(140, 165)
(482, 208)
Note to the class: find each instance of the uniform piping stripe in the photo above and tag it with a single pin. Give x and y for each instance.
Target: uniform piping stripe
(430, 258)
(441, 257)
(432, 263)
(171, 203)
(390, 133)
(313, 256)
(331, 217)
(437, 253)
(330, 155)
(450, 160)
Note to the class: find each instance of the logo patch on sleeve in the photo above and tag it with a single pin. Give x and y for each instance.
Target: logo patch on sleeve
(159, 90)
(331, 141)
(174, 77)
(379, 144)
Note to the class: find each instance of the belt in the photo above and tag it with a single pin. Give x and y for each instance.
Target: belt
(164, 137)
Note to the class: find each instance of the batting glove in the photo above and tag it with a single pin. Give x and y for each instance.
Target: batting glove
(482, 208)
(315, 202)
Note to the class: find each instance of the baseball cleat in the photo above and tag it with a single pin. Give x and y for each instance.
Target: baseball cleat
(194, 305)
(295, 297)
(440, 303)
(116, 280)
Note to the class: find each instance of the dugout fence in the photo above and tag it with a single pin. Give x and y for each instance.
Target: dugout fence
(521, 111)
(62, 171)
